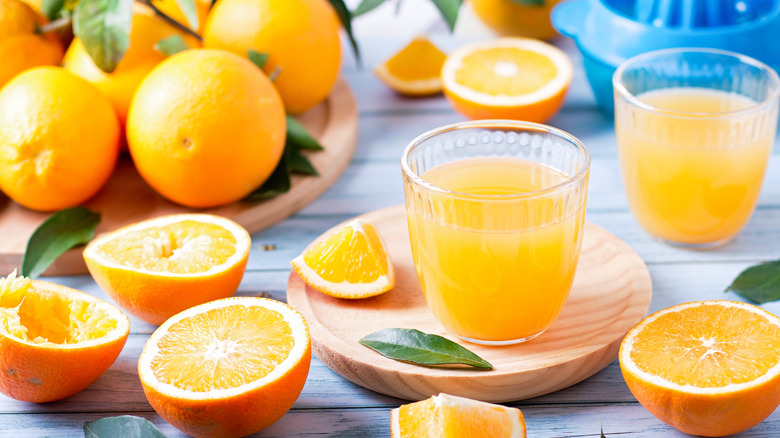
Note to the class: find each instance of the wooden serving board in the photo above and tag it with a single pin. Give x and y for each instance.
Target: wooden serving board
(611, 293)
(127, 199)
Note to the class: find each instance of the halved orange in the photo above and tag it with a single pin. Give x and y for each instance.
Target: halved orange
(159, 267)
(350, 263)
(54, 341)
(227, 368)
(415, 70)
(448, 416)
(507, 78)
(709, 368)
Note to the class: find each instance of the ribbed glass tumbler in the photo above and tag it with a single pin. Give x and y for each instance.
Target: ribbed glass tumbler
(695, 129)
(496, 211)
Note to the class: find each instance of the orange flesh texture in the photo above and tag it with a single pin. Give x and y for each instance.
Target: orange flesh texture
(39, 316)
(707, 346)
(223, 348)
(505, 71)
(424, 419)
(186, 247)
(333, 258)
(419, 60)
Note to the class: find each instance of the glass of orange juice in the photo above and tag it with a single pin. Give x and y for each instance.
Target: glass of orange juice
(495, 210)
(695, 129)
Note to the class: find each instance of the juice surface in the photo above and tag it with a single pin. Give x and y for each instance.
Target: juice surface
(693, 180)
(496, 270)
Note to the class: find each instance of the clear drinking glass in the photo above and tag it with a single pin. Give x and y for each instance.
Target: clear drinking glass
(695, 129)
(495, 211)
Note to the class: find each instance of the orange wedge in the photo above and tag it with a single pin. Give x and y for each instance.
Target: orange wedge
(507, 78)
(227, 368)
(351, 263)
(709, 368)
(159, 267)
(54, 340)
(415, 70)
(448, 416)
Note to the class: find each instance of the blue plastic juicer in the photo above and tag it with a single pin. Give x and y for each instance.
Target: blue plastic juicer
(608, 32)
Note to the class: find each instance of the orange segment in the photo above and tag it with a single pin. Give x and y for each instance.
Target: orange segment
(415, 70)
(159, 267)
(708, 368)
(55, 341)
(230, 367)
(350, 263)
(507, 78)
(448, 416)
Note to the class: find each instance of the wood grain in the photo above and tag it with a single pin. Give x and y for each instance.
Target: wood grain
(127, 199)
(611, 293)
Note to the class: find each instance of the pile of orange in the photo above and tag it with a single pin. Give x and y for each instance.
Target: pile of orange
(62, 126)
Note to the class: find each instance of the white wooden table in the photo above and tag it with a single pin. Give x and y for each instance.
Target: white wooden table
(333, 407)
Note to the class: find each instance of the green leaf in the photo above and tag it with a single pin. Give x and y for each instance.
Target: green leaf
(171, 45)
(299, 163)
(276, 184)
(60, 232)
(125, 426)
(414, 346)
(529, 2)
(759, 283)
(187, 7)
(346, 21)
(52, 8)
(366, 6)
(257, 58)
(449, 11)
(104, 28)
(301, 138)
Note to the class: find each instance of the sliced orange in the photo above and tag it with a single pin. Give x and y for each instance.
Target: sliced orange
(507, 78)
(708, 368)
(415, 70)
(448, 416)
(159, 267)
(351, 263)
(227, 368)
(54, 340)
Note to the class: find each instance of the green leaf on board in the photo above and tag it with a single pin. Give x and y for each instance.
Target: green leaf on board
(449, 11)
(299, 163)
(346, 21)
(60, 232)
(279, 182)
(171, 45)
(52, 8)
(187, 7)
(529, 2)
(758, 283)
(298, 135)
(124, 426)
(366, 6)
(257, 58)
(103, 26)
(414, 346)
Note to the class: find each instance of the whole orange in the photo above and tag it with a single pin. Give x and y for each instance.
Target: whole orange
(59, 139)
(301, 38)
(512, 18)
(140, 58)
(21, 47)
(205, 128)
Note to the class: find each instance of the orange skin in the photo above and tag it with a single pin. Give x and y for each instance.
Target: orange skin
(538, 112)
(234, 417)
(507, 17)
(21, 47)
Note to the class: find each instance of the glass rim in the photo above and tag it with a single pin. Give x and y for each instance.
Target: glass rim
(496, 123)
(631, 98)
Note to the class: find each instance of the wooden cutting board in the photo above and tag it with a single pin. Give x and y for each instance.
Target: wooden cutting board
(611, 294)
(126, 198)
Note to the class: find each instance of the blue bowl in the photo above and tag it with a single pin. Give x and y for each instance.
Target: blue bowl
(607, 34)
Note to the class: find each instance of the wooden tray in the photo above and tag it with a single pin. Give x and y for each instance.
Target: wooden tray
(126, 198)
(611, 294)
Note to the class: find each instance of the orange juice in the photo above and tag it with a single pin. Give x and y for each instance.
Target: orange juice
(497, 270)
(693, 179)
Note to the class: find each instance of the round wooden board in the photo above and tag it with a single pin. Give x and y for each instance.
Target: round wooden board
(126, 198)
(611, 293)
